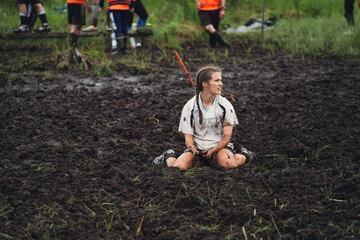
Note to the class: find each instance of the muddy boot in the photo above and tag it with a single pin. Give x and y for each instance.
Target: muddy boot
(44, 28)
(217, 37)
(22, 29)
(125, 44)
(75, 56)
(212, 41)
(78, 56)
(350, 19)
(349, 12)
(250, 156)
(161, 160)
(72, 55)
(121, 44)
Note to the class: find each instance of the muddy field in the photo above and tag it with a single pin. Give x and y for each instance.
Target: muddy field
(76, 150)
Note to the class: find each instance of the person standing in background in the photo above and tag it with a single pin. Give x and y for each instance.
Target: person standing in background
(138, 8)
(28, 9)
(119, 11)
(76, 19)
(95, 11)
(349, 11)
(210, 13)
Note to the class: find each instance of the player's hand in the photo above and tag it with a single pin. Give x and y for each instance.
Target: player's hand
(222, 13)
(194, 149)
(209, 153)
(198, 5)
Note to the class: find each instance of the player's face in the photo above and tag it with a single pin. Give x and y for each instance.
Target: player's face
(214, 85)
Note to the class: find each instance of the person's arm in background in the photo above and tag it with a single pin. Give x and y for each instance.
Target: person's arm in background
(223, 9)
(198, 4)
(101, 5)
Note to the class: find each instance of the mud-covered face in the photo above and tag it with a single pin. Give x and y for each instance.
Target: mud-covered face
(214, 85)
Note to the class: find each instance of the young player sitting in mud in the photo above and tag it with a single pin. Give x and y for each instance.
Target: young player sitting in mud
(207, 122)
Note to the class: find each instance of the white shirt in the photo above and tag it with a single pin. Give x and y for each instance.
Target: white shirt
(208, 134)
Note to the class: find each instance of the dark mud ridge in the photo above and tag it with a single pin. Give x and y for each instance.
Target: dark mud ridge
(75, 152)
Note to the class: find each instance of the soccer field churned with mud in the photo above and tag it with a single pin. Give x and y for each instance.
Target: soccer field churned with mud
(76, 150)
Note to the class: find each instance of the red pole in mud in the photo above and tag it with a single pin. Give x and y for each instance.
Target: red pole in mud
(182, 65)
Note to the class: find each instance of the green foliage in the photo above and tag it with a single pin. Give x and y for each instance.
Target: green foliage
(320, 36)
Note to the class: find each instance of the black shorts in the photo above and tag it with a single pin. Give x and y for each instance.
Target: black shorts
(76, 14)
(28, 1)
(209, 161)
(210, 17)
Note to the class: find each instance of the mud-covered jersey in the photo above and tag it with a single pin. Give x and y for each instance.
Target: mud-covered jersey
(208, 134)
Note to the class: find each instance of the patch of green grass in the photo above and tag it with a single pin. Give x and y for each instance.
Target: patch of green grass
(49, 219)
(324, 37)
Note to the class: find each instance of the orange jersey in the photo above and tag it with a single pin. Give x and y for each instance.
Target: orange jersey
(208, 5)
(119, 4)
(76, 1)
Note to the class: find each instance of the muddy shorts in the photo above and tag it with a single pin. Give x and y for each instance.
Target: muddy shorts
(76, 14)
(211, 162)
(28, 1)
(210, 17)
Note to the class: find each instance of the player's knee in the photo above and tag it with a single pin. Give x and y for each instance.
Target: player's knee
(183, 166)
(240, 159)
(208, 28)
(225, 162)
(39, 7)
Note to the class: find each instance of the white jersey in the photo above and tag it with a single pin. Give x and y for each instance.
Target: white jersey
(208, 134)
